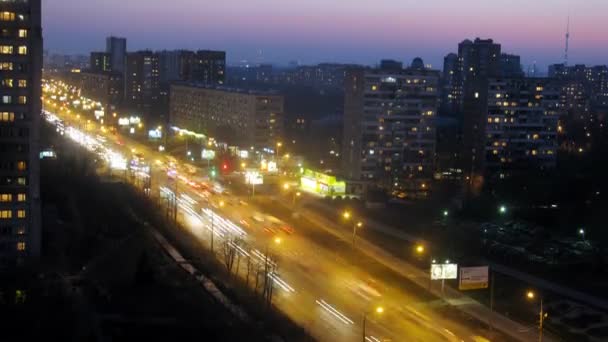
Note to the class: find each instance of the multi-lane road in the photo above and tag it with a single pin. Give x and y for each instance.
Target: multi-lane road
(325, 291)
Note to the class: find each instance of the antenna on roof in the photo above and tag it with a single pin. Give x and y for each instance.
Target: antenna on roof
(567, 41)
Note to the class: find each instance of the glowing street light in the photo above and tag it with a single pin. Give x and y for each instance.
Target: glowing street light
(379, 310)
(530, 295)
(419, 249)
(286, 186)
(346, 215)
(502, 209)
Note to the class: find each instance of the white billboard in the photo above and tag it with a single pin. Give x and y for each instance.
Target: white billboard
(444, 271)
(208, 154)
(473, 278)
(253, 177)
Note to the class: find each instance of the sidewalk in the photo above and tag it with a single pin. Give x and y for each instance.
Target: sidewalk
(453, 297)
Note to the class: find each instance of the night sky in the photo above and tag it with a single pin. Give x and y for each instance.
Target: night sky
(311, 31)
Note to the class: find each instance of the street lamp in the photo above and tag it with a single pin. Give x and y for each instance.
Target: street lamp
(279, 145)
(530, 295)
(355, 227)
(502, 209)
(581, 232)
(286, 186)
(295, 196)
(419, 249)
(221, 204)
(445, 213)
(378, 311)
(346, 215)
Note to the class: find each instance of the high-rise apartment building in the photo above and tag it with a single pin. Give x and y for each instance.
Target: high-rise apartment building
(478, 60)
(510, 66)
(100, 62)
(20, 106)
(142, 81)
(243, 118)
(117, 48)
(203, 66)
(389, 136)
(521, 126)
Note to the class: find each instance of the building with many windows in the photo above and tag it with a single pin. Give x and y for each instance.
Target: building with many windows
(142, 81)
(389, 127)
(100, 61)
(20, 106)
(521, 126)
(243, 118)
(104, 87)
(117, 49)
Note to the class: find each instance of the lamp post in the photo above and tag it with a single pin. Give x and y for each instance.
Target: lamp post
(279, 145)
(295, 196)
(356, 225)
(581, 232)
(221, 204)
(378, 310)
(542, 314)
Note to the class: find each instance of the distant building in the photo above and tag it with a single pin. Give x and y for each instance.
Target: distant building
(389, 136)
(101, 62)
(20, 108)
(478, 61)
(520, 134)
(117, 48)
(203, 66)
(104, 87)
(451, 85)
(244, 118)
(510, 66)
(389, 64)
(142, 81)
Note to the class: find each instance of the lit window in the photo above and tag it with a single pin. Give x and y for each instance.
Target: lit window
(7, 82)
(6, 214)
(6, 66)
(6, 49)
(21, 166)
(6, 197)
(23, 50)
(22, 33)
(21, 181)
(7, 16)
(21, 246)
(21, 197)
(21, 213)
(22, 83)
(7, 117)
(374, 87)
(6, 99)
(476, 95)
(22, 99)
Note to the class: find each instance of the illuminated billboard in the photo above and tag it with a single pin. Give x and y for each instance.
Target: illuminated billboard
(253, 177)
(444, 271)
(321, 183)
(473, 278)
(208, 154)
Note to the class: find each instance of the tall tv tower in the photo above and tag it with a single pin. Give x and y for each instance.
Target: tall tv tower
(567, 42)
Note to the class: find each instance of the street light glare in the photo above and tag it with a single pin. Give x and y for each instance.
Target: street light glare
(277, 240)
(346, 215)
(379, 310)
(420, 249)
(530, 295)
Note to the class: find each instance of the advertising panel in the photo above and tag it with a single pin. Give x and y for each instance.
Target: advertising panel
(444, 271)
(473, 278)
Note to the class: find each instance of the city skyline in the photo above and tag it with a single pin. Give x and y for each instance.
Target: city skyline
(312, 31)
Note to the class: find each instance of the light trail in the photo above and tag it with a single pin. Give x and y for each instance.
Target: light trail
(340, 316)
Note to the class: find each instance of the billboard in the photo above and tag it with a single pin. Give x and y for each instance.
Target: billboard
(208, 154)
(321, 183)
(444, 271)
(473, 278)
(253, 177)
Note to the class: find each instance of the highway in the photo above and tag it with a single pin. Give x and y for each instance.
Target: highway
(322, 288)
